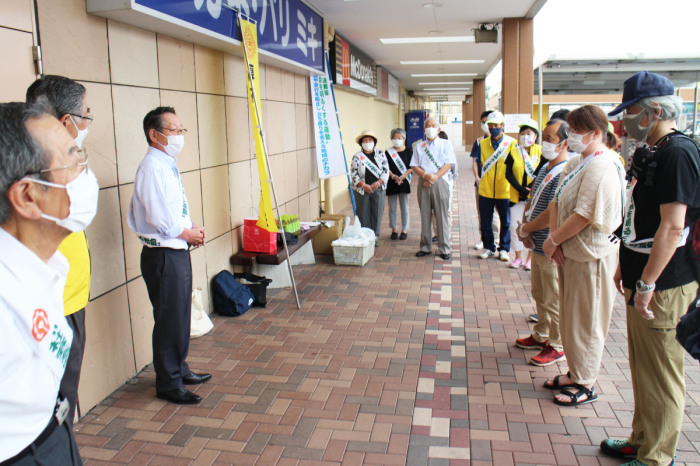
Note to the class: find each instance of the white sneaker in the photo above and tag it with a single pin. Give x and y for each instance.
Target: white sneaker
(486, 254)
(479, 245)
(504, 256)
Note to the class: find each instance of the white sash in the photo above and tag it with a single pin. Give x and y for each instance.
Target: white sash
(496, 156)
(575, 172)
(398, 162)
(529, 167)
(371, 166)
(424, 146)
(629, 234)
(553, 173)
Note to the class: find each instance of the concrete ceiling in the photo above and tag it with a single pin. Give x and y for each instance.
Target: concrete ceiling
(608, 76)
(364, 22)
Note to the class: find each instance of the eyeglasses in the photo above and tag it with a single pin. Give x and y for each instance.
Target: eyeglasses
(176, 131)
(89, 118)
(82, 155)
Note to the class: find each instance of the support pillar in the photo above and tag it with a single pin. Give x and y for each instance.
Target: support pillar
(467, 123)
(518, 80)
(478, 107)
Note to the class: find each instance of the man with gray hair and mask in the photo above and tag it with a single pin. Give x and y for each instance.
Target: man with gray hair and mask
(67, 97)
(433, 161)
(655, 272)
(43, 183)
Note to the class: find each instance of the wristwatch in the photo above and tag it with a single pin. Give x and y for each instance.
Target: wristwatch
(643, 287)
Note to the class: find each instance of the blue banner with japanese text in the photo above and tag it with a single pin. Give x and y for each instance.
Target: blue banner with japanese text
(286, 28)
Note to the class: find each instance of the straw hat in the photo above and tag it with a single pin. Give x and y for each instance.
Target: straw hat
(366, 132)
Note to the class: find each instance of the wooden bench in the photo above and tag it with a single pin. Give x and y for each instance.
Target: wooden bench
(248, 259)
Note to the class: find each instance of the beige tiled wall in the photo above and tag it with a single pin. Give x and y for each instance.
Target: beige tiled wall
(127, 72)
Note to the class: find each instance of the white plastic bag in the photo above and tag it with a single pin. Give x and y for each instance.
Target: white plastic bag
(200, 322)
(352, 230)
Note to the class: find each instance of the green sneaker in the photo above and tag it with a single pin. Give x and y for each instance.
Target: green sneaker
(619, 449)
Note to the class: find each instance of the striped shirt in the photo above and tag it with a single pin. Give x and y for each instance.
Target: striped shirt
(545, 198)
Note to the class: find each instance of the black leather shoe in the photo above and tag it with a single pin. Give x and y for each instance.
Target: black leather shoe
(435, 239)
(403, 236)
(423, 253)
(446, 257)
(394, 235)
(180, 396)
(195, 379)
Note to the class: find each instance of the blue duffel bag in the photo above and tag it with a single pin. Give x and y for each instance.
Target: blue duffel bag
(231, 298)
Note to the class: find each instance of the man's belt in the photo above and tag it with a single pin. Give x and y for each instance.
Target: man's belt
(59, 416)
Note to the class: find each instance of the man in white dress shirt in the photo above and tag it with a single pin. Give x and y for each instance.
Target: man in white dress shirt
(38, 160)
(433, 161)
(160, 217)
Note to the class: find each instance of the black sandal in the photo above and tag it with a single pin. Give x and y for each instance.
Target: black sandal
(576, 396)
(403, 236)
(394, 235)
(556, 385)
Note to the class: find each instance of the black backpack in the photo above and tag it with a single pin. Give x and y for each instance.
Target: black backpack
(231, 298)
(257, 285)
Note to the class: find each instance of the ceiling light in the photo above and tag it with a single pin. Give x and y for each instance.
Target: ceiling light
(426, 40)
(447, 89)
(433, 75)
(442, 84)
(440, 62)
(432, 5)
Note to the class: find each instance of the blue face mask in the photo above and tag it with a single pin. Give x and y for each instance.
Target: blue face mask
(495, 132)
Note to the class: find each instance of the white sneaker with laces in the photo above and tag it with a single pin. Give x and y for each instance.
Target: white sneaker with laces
(504, 256)
(486, 254)
(479, 245)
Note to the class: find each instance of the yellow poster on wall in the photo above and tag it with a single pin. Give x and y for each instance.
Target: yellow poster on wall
(249, 34)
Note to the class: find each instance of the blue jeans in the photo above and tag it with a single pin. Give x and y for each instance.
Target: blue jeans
(486, 206)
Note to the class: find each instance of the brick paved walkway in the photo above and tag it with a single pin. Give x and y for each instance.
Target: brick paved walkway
(404, 361)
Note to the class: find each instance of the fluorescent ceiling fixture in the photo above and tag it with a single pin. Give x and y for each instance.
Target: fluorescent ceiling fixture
(427, 40)
(442, 84)
(435, 75)
(447, 89)
(441, 62)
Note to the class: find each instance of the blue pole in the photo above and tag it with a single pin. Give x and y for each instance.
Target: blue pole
(337, 118)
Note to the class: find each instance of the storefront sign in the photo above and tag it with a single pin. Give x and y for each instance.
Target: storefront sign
(288, 29)
(329, 151)
(352, 68)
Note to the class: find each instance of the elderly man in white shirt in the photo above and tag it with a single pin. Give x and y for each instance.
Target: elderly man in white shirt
(160, 217)
(44, 181)
(433, 161)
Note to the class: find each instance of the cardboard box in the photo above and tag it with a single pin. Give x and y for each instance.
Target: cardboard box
(322, 241)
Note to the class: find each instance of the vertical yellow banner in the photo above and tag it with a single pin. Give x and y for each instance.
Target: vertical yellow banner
(249, 34)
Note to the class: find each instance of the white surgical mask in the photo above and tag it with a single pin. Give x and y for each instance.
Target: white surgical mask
(526, 140)
(82, 193)
(549, 150)
(175, 144)
(367, 146)
(576, 142)
(431, 133)
(397, 142)
(82, 133)
(485, 128)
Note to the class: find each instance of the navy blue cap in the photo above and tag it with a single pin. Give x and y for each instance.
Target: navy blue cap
(641, 85)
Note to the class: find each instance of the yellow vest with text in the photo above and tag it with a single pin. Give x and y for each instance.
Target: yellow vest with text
(519, 166)
(77, 291)
(493, 183)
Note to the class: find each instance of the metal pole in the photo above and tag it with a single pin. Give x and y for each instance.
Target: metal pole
(337, 117)
(695, 109)
(540, 85)
(267, 160)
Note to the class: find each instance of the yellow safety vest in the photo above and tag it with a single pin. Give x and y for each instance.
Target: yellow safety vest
(77, 291)
(493, 183)
(519, 166)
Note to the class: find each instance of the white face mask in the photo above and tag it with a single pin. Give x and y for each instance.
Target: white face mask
(431, 133)
(175, 144)
(367, 146)
(82, 193)
(549, 150)
(526, 140)
(485, 128)
(576, 142)
(397, 143)
(82, 133)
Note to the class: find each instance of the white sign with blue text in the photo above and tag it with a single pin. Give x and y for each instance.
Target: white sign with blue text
(329, 151)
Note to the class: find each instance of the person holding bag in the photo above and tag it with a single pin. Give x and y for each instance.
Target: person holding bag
(369, 173)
